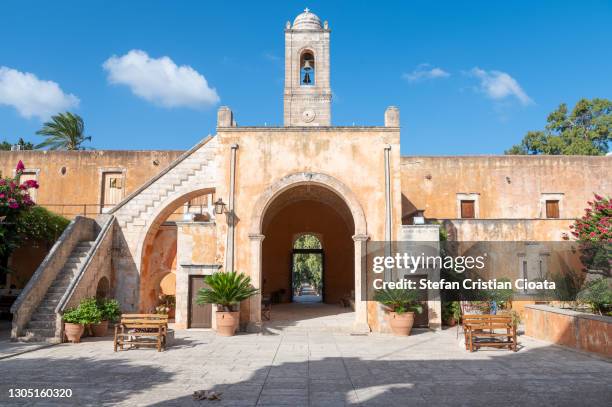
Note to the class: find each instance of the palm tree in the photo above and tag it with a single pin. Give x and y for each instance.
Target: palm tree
(63, 132)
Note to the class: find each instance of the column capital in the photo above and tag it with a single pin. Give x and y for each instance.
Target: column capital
(361, 238)
(256, 236)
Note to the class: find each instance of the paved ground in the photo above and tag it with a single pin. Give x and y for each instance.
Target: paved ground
(8, 348)
(312, 367)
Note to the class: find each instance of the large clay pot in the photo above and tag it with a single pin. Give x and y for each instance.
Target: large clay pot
(401, 324)
(227, 323)
(73, 332)
(100, 329)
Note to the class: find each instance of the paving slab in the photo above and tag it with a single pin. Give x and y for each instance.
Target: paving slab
(311, 368)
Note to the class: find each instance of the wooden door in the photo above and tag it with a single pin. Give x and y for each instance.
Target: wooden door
(200, 316)
(112, 189)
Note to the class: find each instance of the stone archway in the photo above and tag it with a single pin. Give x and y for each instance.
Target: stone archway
(360, 236)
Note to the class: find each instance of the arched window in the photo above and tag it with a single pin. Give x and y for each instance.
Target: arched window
(307, 242)
(307, 69)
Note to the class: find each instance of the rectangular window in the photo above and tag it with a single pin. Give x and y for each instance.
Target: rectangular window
(467, 209)
(552, 209)
(112, 189)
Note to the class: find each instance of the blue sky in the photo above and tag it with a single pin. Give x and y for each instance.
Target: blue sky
(469, 77)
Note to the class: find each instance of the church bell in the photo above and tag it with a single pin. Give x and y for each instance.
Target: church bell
(307, 68)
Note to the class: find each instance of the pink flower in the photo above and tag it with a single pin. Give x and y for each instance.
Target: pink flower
(20, 167)
(13, 204)
(31, 183)
(2, 181)
(598, 197)
(2, 196)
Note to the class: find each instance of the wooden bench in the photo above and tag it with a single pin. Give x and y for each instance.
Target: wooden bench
(141, 330)
(489, 330)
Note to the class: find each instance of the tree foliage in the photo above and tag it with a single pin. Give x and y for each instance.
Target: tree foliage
(586, 130)
(307, 267)
(24, 145)
(65, 131)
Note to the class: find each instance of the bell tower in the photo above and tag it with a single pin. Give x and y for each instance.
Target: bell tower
(307, 97)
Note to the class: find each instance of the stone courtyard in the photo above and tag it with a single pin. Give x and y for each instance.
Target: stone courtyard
(312, 367)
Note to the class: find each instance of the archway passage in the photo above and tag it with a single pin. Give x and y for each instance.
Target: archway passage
(308, 210)
(307, 269)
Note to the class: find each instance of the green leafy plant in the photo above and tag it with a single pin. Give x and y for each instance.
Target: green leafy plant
(110, 309)
(92, 314)
(86, 313)
(399, 301)
(226, 289)
(597, 295)
(39, 224)
(73, 316)
(451, 311)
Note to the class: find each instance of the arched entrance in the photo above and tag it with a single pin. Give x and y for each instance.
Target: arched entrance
(162, 282)
(309, 203)
(308, 210)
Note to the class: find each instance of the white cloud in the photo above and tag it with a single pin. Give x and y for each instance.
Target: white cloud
(160, 80)
(424, 72)
(499, 85)
(32, 96)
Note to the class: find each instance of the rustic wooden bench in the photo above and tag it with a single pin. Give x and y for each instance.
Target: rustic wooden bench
(141, 330)
(489, 330)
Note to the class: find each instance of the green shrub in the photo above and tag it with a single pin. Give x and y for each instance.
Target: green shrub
(399, 301)
(86, 313)
(110, 308)
(73, 316)
(597, 294)
(226, 289)
(451, 311)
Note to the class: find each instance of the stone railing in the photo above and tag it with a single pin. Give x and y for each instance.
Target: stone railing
(96, 266)
(80, 229)
(578, 330)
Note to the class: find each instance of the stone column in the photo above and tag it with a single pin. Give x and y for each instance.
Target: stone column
(361, 305)
(254, 324)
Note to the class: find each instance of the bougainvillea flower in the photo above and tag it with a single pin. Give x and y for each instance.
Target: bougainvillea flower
(20, 167)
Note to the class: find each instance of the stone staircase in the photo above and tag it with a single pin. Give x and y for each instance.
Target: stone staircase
(43, 322)
(141, 207)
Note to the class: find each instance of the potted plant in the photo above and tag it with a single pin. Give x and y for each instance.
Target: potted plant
(401, 305)
(166, 305)
(110, 312)
(91, 314)
(451, 313)
(226, 290)
(73, 325)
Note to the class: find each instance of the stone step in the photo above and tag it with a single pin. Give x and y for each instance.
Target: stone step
(39, 315)
(58, 289)
(40, 332)
(51, 299)
(45, 309)
(41, 325)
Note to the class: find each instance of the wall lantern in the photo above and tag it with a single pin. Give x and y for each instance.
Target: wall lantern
(219, 206)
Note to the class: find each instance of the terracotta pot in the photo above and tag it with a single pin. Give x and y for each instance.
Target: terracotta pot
(73, 332)
(450, 322)
(100, 329)
(227, 323)
(401, 324)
